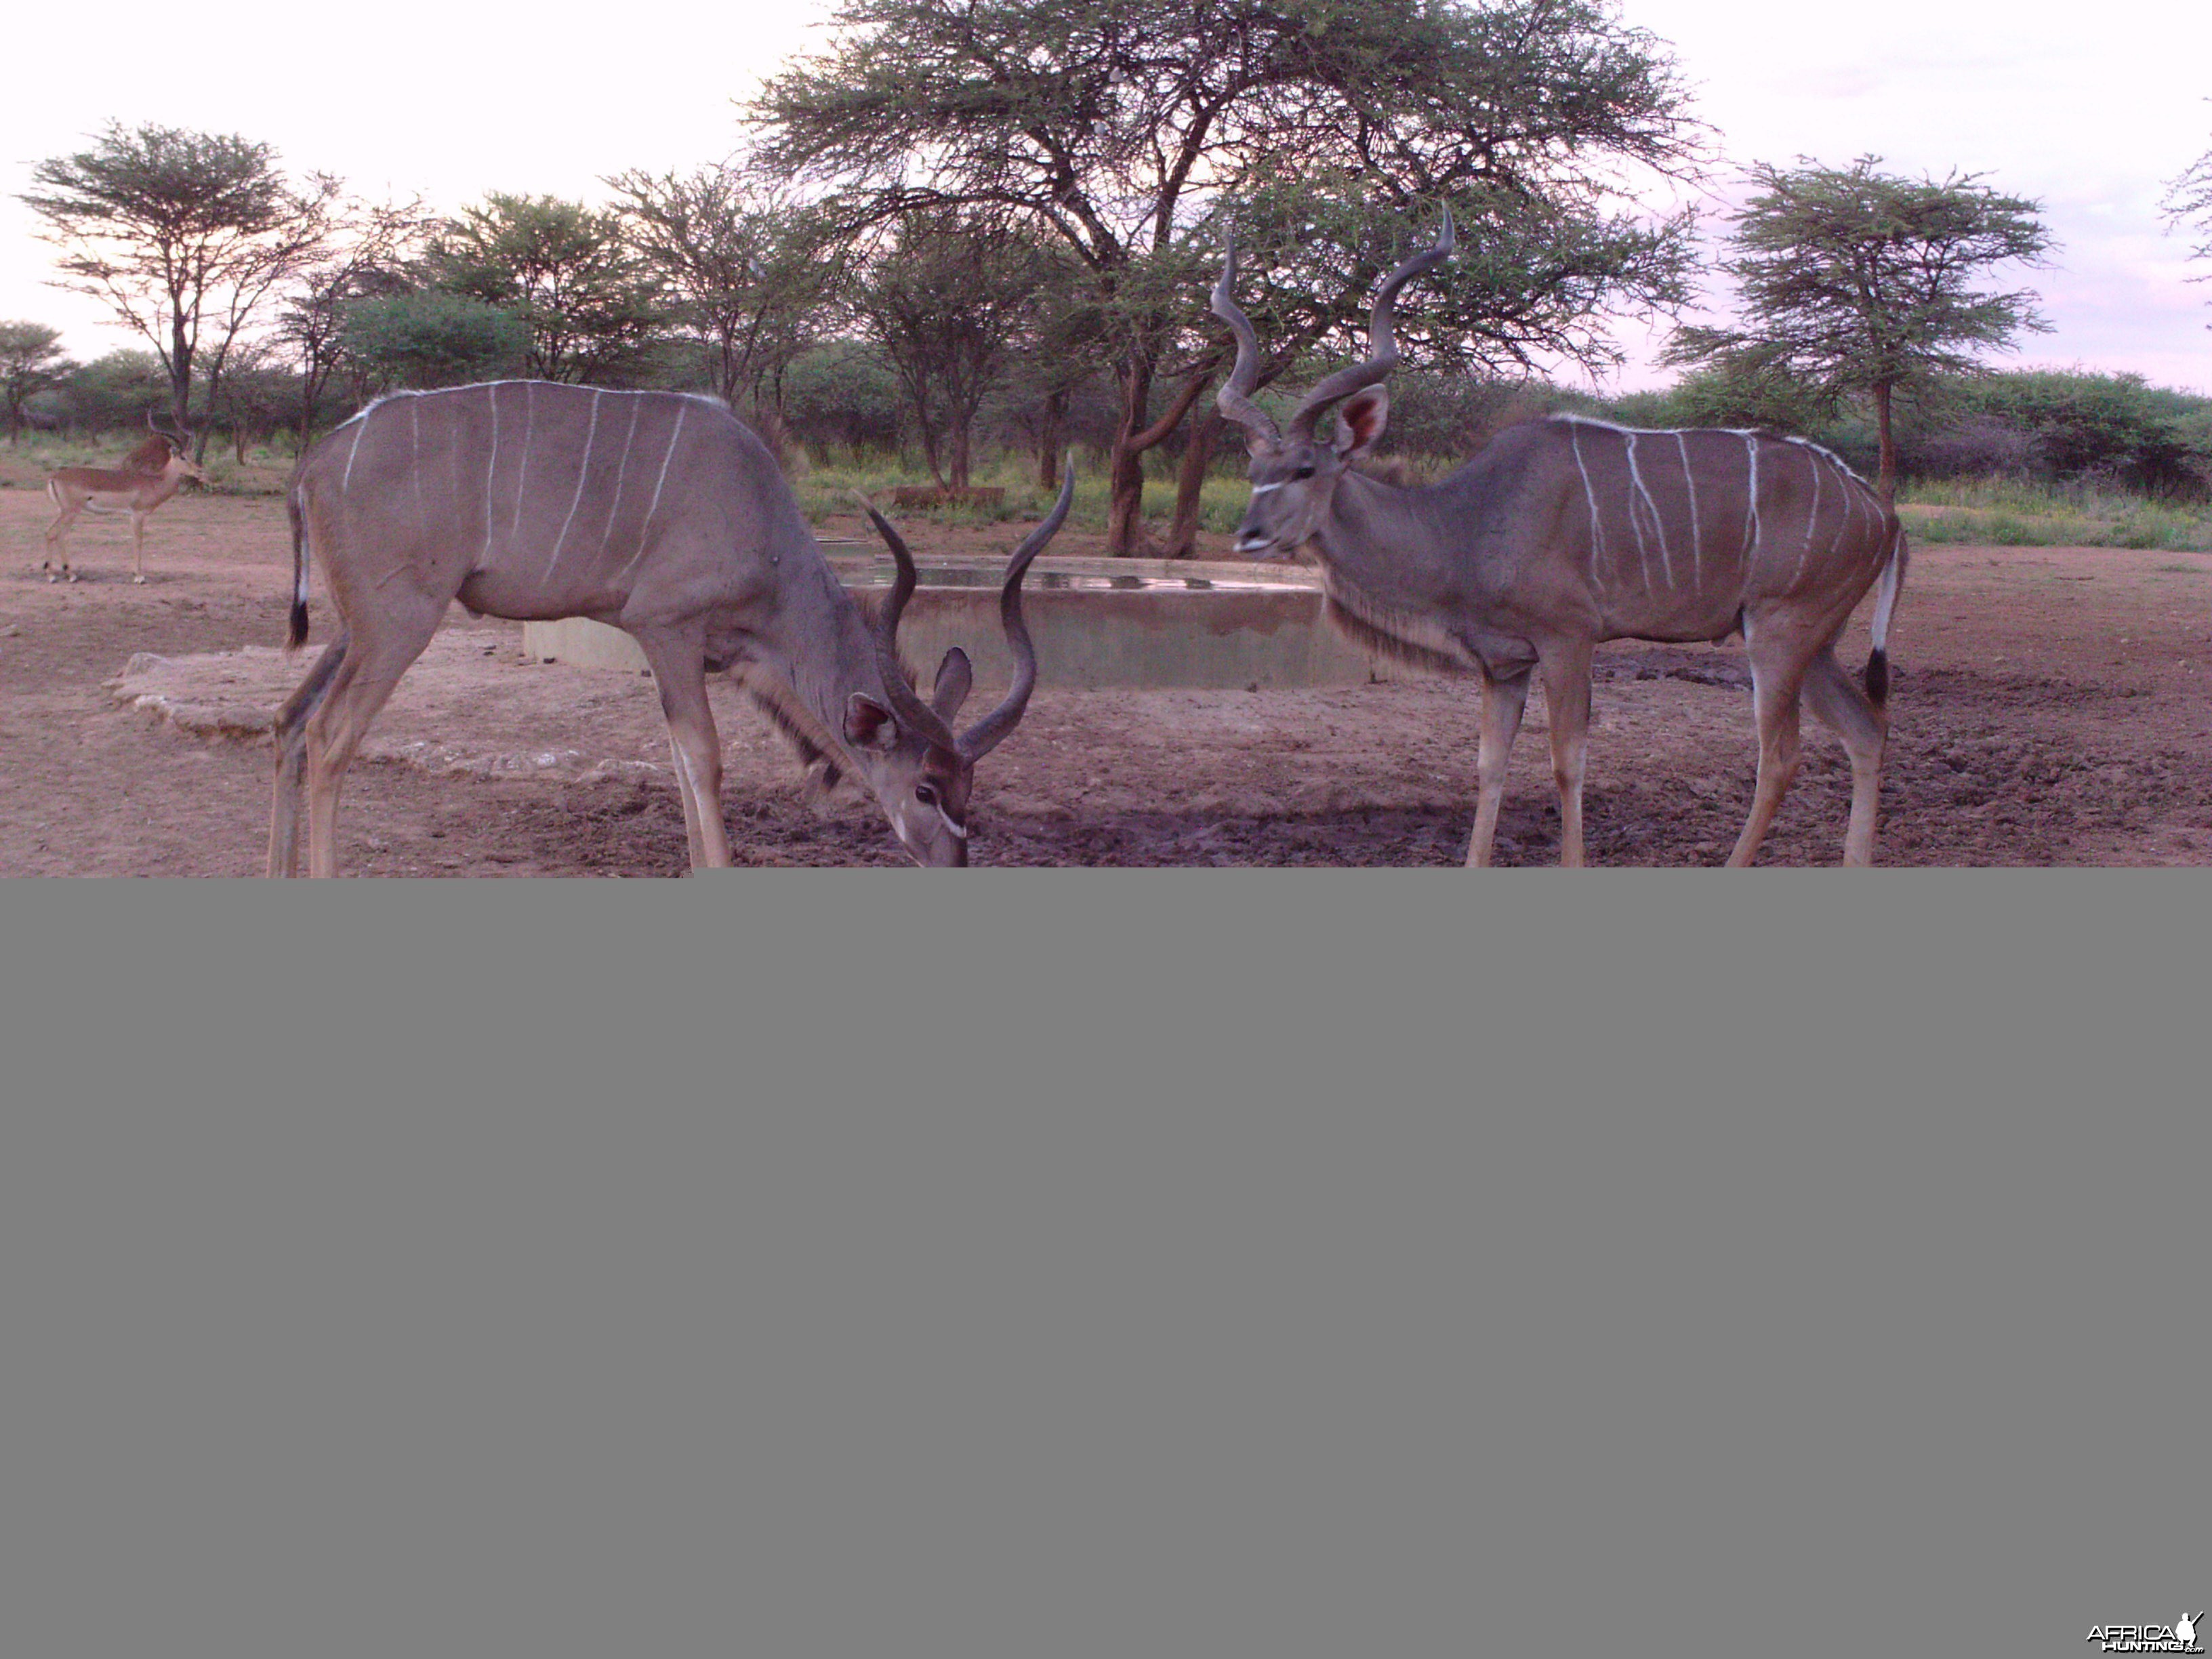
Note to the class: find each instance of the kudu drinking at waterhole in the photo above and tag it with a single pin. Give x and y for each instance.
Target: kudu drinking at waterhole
(659, 513)
(149, 475)
(1566, 531)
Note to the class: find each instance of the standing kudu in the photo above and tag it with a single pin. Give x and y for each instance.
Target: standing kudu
(149, 475)
(1566, 531)
(658, 513)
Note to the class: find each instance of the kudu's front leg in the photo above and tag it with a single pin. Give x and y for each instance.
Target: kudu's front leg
(1566, 671)
(679, 670)
(1502, 702)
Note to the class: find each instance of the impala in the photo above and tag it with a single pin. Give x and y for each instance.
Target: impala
(149, 475)
(1565, 532)
(656, 512)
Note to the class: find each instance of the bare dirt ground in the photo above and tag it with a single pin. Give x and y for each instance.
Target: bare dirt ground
(2050, 707)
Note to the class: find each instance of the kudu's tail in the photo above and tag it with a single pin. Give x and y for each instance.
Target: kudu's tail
(296, 634)
(1885, 604)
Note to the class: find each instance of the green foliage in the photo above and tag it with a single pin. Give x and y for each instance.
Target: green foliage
(431, 339)
(113, 392)
(2012, 512)
(591, 307)
(2111, 428)
(31, 361)
(747, 276)
(842, 397)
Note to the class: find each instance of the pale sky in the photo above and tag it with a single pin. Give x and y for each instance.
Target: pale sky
(2089, 110)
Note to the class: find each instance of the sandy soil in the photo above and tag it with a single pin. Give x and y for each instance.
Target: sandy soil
(2050, 707)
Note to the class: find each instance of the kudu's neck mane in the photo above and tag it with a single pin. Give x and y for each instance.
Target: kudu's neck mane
(1379, 593)
(820, 650)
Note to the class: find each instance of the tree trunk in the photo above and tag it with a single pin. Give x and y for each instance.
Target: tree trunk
(1182, 536)
(1055, 419)
(181, 374)
(1125, 475)
(1886, 479)
(956, 461)
(1125, 504)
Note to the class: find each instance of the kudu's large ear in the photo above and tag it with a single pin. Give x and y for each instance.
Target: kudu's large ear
(868, 724)
(956, 676)
(1361, 420)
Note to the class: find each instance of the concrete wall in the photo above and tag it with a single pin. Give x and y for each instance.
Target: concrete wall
(1220, 638)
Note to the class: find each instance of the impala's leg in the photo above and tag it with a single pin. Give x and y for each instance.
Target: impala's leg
(139, 548)
(1778, 672)
(1843, 708)
(679, 669)
(1502, 701)
(1565, 665)
(58, 541)
(289, 737)
(358, 689)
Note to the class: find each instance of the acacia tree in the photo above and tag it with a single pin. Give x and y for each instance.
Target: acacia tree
(1116, 126)
(2188, 204)
(1857, 283)
(31, 361)
(750, 275)
(592, 307)
(368, 250)
(184, 236)
(945, 301)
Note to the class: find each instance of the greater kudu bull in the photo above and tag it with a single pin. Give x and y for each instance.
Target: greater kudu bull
(659, 513)
(149, 475)
(1558, 535)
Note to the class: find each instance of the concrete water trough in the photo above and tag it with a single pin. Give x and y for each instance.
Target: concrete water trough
(1099, 624)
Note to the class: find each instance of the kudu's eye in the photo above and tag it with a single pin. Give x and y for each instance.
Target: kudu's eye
(925, 794)
(1303, 472)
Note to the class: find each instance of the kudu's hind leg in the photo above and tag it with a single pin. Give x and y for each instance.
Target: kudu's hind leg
(679, 670)
(1839, 704)
(289, 736)
(358, 689)
(1502, 702)
(1566, 671)
(1778, 674)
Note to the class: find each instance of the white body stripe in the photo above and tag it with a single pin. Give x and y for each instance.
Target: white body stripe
(1658, 524)
(491, 473)
(583, 472)
(1597, 525)
(1812, 523)
(347, 479)
(415, 458)
(645, 525)
(1697, 535)
(1751, 505)
(522, 469)
(1643, 563)
(621, 470)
